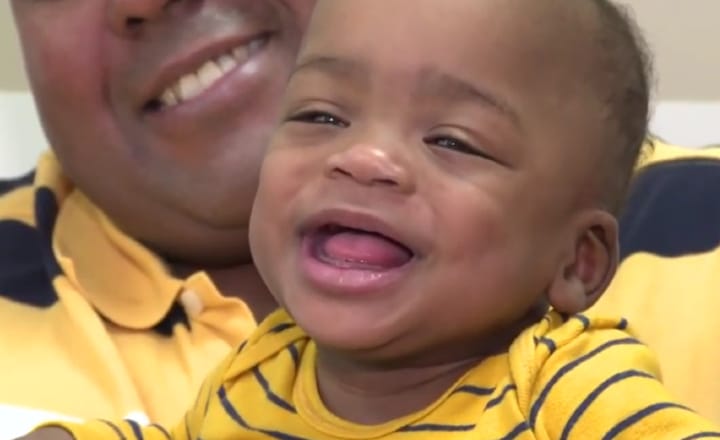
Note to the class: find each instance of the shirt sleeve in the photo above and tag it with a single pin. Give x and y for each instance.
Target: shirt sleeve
(606, 385)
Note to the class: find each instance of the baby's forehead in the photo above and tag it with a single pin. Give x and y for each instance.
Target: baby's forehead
(522, 45)
(523, 41)
(516, 28)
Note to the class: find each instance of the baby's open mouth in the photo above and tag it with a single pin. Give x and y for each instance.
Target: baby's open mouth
(351, 248)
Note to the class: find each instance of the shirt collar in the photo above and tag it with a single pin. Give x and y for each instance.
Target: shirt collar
(125, 282)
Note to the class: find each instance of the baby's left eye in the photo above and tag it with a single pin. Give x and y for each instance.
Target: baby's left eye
(453, 143)
(318, 117)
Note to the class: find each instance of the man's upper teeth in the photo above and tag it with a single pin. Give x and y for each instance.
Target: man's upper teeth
(203, 78)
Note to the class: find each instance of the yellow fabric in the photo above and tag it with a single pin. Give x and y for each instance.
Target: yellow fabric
(656, 151)
(673, 301)
(560, 379)
(93, 325)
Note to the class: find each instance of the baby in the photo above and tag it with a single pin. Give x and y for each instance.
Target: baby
(437, 206)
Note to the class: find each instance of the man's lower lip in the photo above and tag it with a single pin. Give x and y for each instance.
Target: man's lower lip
(347, 280)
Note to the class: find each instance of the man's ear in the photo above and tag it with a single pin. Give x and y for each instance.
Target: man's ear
(590, 265)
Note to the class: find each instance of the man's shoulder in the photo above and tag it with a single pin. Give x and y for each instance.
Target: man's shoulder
(672, 209)
(656, 152)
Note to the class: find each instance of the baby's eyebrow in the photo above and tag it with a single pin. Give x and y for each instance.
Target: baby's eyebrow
(335, 66)
(434, 82)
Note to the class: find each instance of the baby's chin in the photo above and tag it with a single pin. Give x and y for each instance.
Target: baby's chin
(352, 333)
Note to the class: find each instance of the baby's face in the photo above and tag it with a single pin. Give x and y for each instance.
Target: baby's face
(418, 192)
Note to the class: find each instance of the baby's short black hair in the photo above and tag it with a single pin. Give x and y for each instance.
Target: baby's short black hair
(624, 75)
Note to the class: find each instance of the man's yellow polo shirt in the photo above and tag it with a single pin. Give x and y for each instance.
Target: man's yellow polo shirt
(92, 323)
(668, 285)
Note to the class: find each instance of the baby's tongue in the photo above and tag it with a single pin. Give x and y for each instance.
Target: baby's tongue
(355, 249)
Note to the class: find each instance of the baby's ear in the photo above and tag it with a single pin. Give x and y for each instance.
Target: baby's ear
(591, 262)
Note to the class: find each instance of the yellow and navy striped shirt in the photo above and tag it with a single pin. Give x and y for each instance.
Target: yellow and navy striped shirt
(93, 325)
(563, 378)
(668, 284)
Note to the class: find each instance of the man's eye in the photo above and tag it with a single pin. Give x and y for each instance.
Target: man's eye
(318, 117)
(455, 144)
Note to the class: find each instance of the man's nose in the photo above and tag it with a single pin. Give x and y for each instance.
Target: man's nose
(129, 16)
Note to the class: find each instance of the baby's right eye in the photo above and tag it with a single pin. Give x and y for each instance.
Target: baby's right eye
(318, 117)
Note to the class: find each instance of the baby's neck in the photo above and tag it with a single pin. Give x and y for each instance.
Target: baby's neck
(372, 395)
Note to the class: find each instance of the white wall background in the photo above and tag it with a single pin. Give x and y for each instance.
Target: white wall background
(21, 137)
(688, 123)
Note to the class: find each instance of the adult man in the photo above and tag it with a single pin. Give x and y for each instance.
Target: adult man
(116, 249)
(667, 282)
